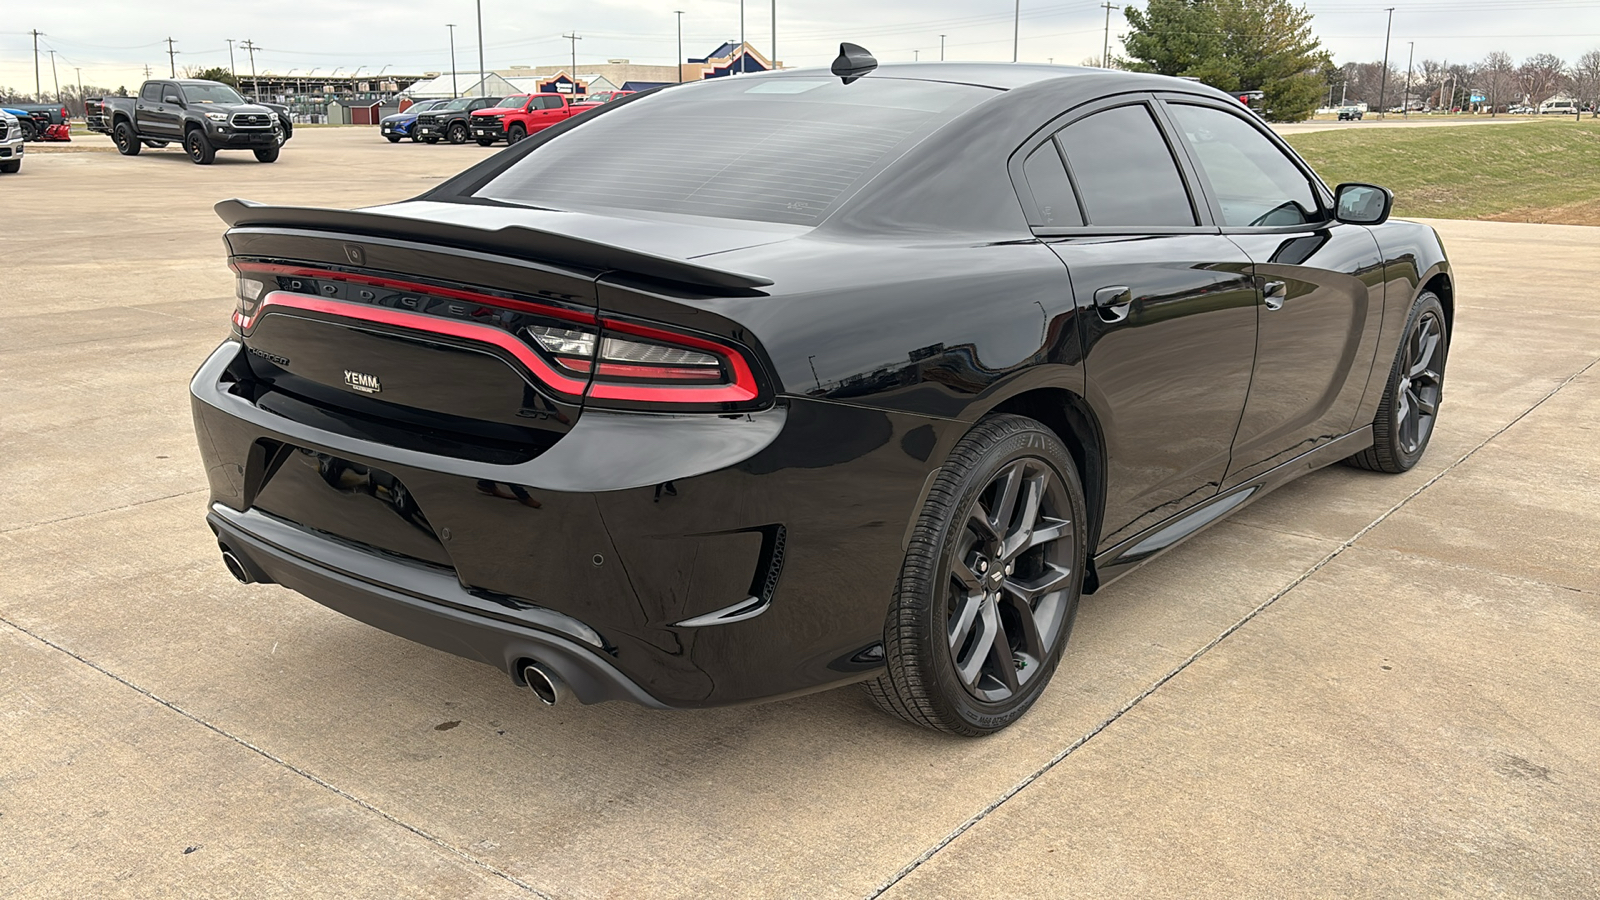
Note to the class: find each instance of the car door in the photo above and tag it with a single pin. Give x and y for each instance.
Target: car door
(151, 116)
(549, 112)
(1169, 304)
(1321, 281)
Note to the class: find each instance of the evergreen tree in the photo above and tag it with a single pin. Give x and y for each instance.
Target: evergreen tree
(1235, 45)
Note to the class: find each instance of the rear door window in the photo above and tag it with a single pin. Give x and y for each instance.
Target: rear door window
(152, 91)
(1124, 171)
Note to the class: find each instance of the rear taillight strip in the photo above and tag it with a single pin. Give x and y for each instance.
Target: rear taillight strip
(425, 289)
(382, 315)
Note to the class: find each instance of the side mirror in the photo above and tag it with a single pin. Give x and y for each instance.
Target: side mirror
(1362, 204)
(173, 99)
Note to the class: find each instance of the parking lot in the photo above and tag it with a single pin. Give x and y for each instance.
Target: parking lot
(1363, 685)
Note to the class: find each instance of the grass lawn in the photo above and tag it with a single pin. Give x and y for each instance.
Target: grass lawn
(1544, 171)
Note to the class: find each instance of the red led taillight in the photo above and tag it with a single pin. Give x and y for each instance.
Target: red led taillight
(607, 361)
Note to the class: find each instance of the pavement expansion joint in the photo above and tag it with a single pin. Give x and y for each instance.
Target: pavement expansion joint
(1209, 645)
(303, 773)
(101, 512)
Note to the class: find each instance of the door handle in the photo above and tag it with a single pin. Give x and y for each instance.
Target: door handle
(1113, 303)
(1273, 293)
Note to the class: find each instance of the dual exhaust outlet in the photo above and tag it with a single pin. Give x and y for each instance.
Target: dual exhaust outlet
(545, 684)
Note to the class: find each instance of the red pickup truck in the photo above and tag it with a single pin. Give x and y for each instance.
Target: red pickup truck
(520, 115)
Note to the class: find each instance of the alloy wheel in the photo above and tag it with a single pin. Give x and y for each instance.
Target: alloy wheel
(1010, 580)
(1421, 383)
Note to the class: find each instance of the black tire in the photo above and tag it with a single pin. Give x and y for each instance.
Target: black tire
(430, 140)
(268, 154)
(199, 148)
(1410, 405)
(12, 167)
(457, 133)
(393, 138)
(516, 133)
(127, 142)
(155, 145)
(937, 616)
(30, 131)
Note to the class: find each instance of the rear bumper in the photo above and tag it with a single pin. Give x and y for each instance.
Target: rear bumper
(420, 603)
(650, 532)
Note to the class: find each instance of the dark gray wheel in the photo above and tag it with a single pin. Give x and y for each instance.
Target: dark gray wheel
(1410, 404)
(516, 133)
(990, 583)
(199, 148)
(457, 133)
(127, 142)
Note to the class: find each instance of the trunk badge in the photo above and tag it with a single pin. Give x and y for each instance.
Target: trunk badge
(361, 381)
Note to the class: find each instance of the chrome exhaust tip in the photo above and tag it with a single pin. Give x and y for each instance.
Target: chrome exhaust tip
(545, 684)
(236, 568)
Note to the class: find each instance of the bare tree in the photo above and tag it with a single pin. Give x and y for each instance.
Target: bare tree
(1498, 77)
(1540, 77)
(1586, 80)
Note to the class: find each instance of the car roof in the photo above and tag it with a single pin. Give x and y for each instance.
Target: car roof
(1002, 76)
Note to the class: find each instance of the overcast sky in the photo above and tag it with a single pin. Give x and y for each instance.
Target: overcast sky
(112, 40)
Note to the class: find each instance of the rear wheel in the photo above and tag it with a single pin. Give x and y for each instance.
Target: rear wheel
(458, 133)
(267, 154)
(199, 147)
(516, 133)
(990, 582)
(1410, 405)
(127, 142)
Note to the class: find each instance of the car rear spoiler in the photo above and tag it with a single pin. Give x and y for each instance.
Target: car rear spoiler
(516, 241)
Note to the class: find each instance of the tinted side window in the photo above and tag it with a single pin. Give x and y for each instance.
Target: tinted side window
(152, 91)
(1052, 192)
(1255, 183)
(1124, 171)
(549, 102)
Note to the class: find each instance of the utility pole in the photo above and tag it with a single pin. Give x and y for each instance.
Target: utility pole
(1383, 80)
(916, 56)
(454, 93)
(574, 37)
(232, 69)
(679, 14)
(172, 58)
(482, 75)
(255, 83)
(53, 76)
(1105, 47)
(1405, 99)
(774, 34)
(79, 70)
(741, 30)
(1016, 29)
(38, 90)
(941, 48)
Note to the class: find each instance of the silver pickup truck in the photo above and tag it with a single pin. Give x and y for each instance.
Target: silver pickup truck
(10, 143)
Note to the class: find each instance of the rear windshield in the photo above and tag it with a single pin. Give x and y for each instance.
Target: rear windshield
(783, 149)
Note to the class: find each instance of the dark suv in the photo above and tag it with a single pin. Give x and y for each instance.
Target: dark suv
(451, 121)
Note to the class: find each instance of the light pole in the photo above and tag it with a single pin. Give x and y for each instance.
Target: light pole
(741, 27)
(941, 48)
(454, 93)
(79, 70)
(232, 69)
(481, 75)
(54, 77)
(1383, 79)
(1405, 99)
(1016, 29)
(679, 14)
(774, 34)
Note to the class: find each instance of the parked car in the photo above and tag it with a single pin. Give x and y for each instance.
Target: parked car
(1558, 108)
(26, 127)
(403, 124)
(860, 374)
(449, 121)
(516, 117)
(1350, 113)
(47, 121)
(205, 116)
(11, 142)
(598, 99)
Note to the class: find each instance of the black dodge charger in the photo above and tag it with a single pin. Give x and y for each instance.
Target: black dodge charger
(763, 385)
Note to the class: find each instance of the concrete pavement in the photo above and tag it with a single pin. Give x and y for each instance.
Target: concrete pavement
(1362, 685)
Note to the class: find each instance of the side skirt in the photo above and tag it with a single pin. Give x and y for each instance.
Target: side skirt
(1152, 542)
